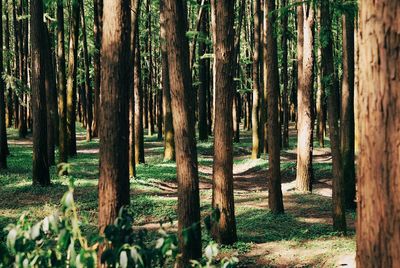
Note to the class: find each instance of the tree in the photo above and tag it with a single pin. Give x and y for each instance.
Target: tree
(62, 92)
(378, 111)
(51, 99)
(88, 87)
(204, 70)
(3, 129)
(72, 79)
(40, 162)
(275, 201)
(347, 111)
(184, 127)
(138, 92)
(224, 230)
(285, 79)
(169, 144)
(97, 31)
(135, 4)
(114, 134)
(255, 152)
(328, 78)
(304, 98)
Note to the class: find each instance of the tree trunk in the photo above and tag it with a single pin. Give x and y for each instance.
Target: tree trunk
(62, 93)
(184, 126)
(40, 170)
(138, 92)
(23, 54)
(88, 87)
(72, 79)
(98, 14)
(50, 89)
(378, 111)
(255, 152)
(150, 114)
(204, 69)
(224, 230)
(135, 5)
(304, 174)
(347, 112)
(16, 62)
(9, 101)
(169, 144)
(285, 82)
(3, 129)
(328, 76)
(275, 201)
(114, 134)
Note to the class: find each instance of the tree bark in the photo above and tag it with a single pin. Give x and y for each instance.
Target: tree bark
(169, 144)
(62, 92)
(138, 91)
(378, 111)
(72, 79)
(3, 129)
(224, 230)
(40, 170)
(328, 84)
(114, 134)
(275, 200)
(347, 111)
(255, 152)
(88, 87)
(184, 126)
(304, 100)
(285, 82)
(97, 25)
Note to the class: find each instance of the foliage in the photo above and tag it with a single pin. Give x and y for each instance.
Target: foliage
(57, 241)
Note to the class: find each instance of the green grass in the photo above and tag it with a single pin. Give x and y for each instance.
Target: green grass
(153, 196)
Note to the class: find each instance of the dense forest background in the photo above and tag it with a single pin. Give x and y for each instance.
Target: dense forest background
(250, 133)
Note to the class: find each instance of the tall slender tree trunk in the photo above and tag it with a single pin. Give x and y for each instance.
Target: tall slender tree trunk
(347, 111)
(114, 134)
(285, 79)
(135, 5)
(328, 76)
(23, 54)
(16, 62)
(255, 152)
(72, 78)
(378, 111)
(97, 25)
(88, 87)
(275, 200)
(40, 170)
(150, 113)
(3, 129)
(9, 100)
(50, 90)
(204, 69)
(224, 230)
(184, 126)
(169, 144)
(304, 174)
(320, 99)
(61, 81)
(138, 92)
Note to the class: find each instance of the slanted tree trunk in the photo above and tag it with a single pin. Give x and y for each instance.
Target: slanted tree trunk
(275, 200)
(304, 99)
(62, 92)
(255, 152)
(169, 144)
(184, 126)
(114, 134)
(40, 170)
(97, 14)
(378, 111)
(328, 78)
(72, 79)
(347, 111)
(224, 230)
(3, 129)
(88, 88)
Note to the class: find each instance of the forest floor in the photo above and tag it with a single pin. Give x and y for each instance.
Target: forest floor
(302, 237)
